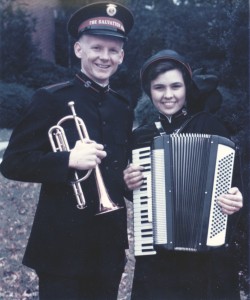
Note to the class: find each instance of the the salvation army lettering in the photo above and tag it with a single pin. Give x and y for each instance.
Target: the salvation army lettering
(102, 21)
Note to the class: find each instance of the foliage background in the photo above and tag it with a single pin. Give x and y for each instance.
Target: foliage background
(214, 34)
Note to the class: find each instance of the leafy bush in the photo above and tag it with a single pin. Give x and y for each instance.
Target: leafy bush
(14, 100)
(42, 73)
(16, 46)
(234, 113)
(145, 112)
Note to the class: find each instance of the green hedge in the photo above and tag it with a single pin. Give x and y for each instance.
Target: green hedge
(13, 102)
(42, 73)
(16, 92)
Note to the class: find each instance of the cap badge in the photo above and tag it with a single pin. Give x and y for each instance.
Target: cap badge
(111, 9)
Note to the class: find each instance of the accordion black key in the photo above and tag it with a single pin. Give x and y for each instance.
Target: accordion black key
(176, 207)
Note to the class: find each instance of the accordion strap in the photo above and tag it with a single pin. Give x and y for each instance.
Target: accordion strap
(158, 125)
(184, 125)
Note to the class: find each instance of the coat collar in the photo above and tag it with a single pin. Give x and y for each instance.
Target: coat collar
(89, 83)
(181, 114)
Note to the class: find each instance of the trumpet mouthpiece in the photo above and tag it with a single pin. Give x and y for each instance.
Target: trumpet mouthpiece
(72, 107)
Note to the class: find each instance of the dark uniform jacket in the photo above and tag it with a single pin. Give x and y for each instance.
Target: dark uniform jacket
(64, 238)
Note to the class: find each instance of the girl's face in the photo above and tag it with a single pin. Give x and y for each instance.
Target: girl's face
(168, 92)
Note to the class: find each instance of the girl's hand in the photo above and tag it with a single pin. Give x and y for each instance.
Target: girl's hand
(231, 202)
(133, 176)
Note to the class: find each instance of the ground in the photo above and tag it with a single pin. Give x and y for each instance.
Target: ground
(17, 207)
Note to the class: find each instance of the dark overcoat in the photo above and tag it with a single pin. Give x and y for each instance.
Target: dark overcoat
(64, 239)
(187, 275)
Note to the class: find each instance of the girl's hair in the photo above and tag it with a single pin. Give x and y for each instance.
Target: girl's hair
(163, 66)
(161, 62)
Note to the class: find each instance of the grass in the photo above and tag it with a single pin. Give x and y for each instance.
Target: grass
(17, 208)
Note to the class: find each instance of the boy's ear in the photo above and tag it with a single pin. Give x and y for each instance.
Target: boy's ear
(122, 57)
(78, 50)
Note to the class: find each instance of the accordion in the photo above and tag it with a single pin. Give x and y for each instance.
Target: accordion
(176, 207)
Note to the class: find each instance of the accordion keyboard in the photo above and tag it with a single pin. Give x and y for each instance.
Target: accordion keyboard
(143, 230)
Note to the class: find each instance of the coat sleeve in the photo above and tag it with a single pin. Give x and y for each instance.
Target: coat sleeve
(29, 156)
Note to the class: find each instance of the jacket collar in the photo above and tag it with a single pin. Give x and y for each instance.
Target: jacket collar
(181, 114)
(89, 83)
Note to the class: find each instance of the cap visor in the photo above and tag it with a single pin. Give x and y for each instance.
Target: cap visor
(103, 33)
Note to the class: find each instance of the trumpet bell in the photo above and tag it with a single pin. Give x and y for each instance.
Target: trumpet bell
(106, 205)
(107, 209)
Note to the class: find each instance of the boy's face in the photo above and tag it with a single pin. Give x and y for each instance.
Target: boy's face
(100, 56)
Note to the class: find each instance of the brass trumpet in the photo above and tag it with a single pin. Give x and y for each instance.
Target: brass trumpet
(59, 142)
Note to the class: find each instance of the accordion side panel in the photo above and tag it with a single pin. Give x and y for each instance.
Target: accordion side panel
(162, 194)
(159, 192)
(222, 182)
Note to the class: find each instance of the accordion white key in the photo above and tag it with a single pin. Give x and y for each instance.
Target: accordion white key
(176, 207)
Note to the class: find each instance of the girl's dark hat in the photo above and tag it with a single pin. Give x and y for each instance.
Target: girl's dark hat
(101, 18)
(164, 55)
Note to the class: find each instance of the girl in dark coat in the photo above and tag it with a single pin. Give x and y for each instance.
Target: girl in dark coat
(166, 79)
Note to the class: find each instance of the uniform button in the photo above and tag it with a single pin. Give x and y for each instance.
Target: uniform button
(115, 164)
(104, 123)
(100, 103)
